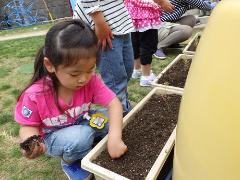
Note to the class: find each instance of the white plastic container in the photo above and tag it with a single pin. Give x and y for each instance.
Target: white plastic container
(102, 173)
(203, 19)
(168, 87)
(195, 39)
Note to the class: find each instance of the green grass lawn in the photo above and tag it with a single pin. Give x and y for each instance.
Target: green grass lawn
(16, 65)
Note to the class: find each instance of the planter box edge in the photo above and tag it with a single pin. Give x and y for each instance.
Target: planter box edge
(167, 87)
(102, 173)
(185, 50)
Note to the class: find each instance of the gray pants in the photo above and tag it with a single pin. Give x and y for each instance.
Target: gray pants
(176, 32)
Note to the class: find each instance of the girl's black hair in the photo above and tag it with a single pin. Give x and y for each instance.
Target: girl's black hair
(65, 43)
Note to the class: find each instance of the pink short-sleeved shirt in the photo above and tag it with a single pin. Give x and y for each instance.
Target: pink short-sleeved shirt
(37, 107)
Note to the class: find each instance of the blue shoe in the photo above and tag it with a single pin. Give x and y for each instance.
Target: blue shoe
(74, 171)
(159, 54)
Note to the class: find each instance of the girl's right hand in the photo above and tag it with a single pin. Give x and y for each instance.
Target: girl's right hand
(36, 149)
(116, 148)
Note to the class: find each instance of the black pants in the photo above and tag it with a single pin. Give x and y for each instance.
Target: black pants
(145, 45)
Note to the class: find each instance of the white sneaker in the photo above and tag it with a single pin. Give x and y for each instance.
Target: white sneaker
(136, 74)
(146, 80)
(152, 76)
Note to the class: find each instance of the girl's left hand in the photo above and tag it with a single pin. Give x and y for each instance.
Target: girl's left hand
(116, 148)
(36, 149)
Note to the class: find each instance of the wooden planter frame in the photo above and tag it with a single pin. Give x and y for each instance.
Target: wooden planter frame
(186, 49)
(167, 87)
(103, 173)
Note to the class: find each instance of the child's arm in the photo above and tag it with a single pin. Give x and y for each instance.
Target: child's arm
(116, 146)
(102, 29)
(165, 5)
(200, 4)
(37, 148)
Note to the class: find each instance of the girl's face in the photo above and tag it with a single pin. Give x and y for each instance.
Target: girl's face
(75, 76)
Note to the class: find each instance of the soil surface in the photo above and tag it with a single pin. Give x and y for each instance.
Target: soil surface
(176, 75)
(145, 135)
(194, 44)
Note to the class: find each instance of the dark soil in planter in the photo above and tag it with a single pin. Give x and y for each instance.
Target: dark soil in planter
(194, 44)
(177, 74)
(145, 135)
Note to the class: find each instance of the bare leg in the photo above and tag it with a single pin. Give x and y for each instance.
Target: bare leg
(137, 64)
(146, 70)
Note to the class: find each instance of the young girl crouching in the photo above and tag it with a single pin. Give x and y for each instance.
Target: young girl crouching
(54, 110)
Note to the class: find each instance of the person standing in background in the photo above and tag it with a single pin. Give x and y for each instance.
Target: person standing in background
(112, 25)
(146, 19)
(55, 111)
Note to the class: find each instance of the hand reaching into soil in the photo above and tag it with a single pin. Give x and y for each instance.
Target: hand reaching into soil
(32, 147)
(116, 148)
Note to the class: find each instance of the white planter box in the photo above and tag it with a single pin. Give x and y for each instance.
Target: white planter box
(102, 173)
(194, 40)
(169, 87)
(204, 13)
(202, 22)
(203, 19)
